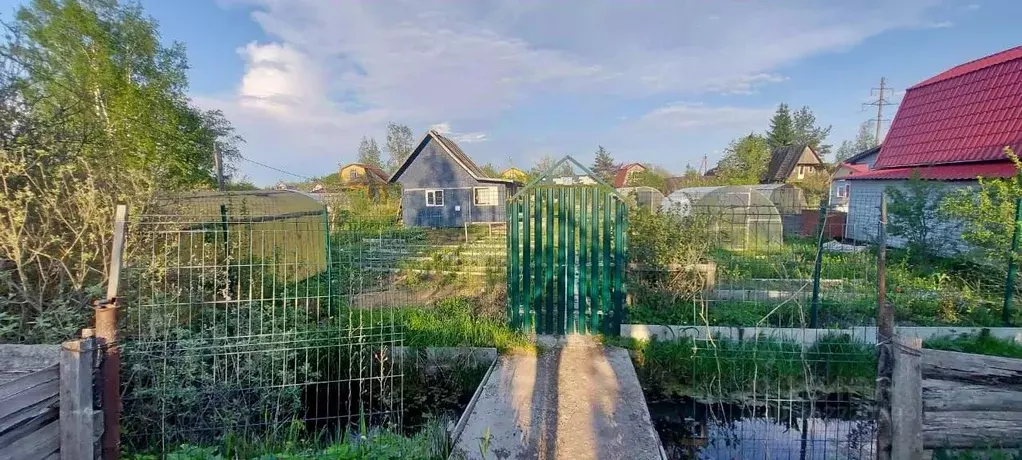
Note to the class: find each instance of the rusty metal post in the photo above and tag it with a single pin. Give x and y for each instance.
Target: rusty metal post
(106, 335)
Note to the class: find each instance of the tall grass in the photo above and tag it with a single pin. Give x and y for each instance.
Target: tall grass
(981, 344)
(452, 323)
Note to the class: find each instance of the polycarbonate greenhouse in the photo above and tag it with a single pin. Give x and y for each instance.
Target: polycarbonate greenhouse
(743, 217)
(788, 198)
(645, 197)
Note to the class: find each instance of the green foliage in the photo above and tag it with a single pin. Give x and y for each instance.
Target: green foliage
(782, 128)
(369, 153)
(745, 161)
(992, 453)
(914, 212)
(808, 133)
(982, 343)
(432, 443)
(453, 323)
(400, 145)
(649, 178)
(816, 187)
(603, 165)
(724, 369)
(97, 113)
(988, 214)
(864, 140)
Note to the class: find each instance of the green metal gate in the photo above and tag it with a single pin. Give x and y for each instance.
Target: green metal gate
(567, 251)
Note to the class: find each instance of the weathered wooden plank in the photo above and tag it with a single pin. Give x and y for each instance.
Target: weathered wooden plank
(951, 396)
(28, 398)
(42, 410)
(39, 444)
(972, 429)
(965, 367)
(76, 408)
(28, 381)
(906, 400)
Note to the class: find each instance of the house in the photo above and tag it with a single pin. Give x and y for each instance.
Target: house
(356, 175)
(951, 128)
(515, 174)
(624, 173)
(576, 179)
(791, 163)
(443, 187)
(839, 187)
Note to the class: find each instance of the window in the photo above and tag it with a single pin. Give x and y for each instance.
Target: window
(842, 190)
(802, 171)
(484, 196)
(353, 174)
(434, 197)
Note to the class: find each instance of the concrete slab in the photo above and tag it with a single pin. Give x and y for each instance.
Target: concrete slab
(575, 400)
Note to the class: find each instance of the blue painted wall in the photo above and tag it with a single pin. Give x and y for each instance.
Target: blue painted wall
(433, 169)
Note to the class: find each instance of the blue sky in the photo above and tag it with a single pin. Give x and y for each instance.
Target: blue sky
(664, 82)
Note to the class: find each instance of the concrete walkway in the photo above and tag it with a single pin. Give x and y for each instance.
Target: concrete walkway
(574, 400)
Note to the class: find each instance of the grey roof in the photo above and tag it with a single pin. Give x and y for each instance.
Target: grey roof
(863, 154)
(783, 161)
(451, 148)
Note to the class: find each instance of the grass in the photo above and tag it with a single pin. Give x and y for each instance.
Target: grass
(723, 370)
(452, 323)
(431, 443)
(833, 314)
(977, 454)
(981, 344)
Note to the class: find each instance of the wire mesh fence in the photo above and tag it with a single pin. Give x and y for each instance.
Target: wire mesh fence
(244, 320)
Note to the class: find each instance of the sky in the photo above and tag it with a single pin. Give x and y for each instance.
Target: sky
(663, 82)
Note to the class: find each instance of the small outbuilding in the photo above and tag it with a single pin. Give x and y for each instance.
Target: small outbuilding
(743, 217)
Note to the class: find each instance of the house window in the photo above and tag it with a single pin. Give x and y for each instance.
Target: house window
(842, 190)
(434, 197)
(801, 172)
(353, 174)
(484, 196)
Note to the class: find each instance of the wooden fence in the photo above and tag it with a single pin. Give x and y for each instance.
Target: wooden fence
(945, 399)
(50, 413)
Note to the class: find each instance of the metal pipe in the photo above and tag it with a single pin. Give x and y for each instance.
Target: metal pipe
(110, 372)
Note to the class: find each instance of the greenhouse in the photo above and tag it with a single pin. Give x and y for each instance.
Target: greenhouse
(788, 198)
(743, 217)
(645, 197)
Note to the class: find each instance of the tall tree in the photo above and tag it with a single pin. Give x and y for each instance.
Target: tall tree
(865, 139)
(369, 152)
(399, 145)
(603, 164)
(807, 132)
(745, 160)
(782, 128)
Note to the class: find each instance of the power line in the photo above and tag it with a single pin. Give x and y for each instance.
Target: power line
(879, 103)
(243, 157)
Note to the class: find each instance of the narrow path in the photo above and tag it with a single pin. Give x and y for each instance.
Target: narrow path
(574, 400)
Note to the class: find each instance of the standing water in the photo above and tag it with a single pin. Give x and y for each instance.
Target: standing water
(833, 427)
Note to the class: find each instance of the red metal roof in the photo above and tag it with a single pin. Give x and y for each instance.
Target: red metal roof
(621, 177)
(966, 114)
(967, 171)
(856, 168)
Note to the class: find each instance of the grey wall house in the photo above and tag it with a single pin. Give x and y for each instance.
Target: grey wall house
(442, 187)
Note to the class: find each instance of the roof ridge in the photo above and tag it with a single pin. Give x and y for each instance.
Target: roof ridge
(950, 73)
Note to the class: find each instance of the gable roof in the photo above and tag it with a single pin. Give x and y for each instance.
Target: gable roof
(621, 176)
(966, 114)
(861, 155)
(451, 149)
(783, 161)
(370, 169)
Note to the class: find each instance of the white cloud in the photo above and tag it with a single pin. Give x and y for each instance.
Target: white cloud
(691, 117)
(331, 72)
(461, 138)
(938, 25)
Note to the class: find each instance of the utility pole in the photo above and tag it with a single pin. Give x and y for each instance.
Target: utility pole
(218, 161)
(881, 101)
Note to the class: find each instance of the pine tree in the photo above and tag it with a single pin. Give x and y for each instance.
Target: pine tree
(807, 132)
(782, 129)
(603, 164)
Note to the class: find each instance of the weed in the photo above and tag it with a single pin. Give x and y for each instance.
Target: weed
(982, 343)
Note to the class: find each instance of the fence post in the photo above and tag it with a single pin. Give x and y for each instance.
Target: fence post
(106, 335)
(907, 399)
(77, 422)
(814, 311)
(885, 332)
(1009, 284)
